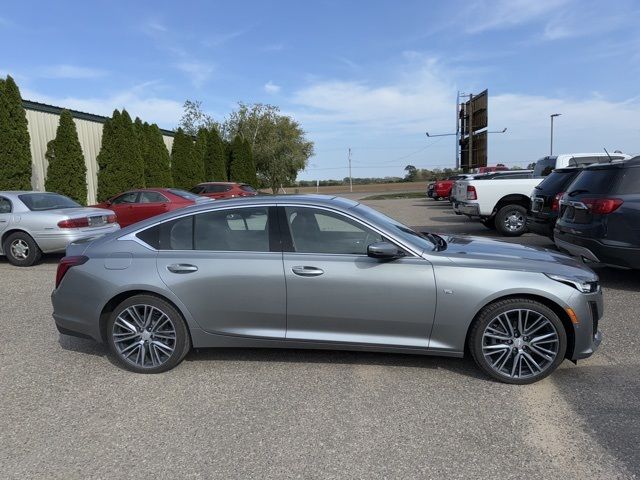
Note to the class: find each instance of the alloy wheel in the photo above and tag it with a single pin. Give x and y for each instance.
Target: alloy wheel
(514, 221)
(19, 249)
(144, 336)
(520, 344)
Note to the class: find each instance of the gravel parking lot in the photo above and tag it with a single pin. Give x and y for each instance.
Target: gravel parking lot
(67, 412)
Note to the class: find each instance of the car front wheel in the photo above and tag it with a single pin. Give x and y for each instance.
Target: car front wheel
(518, 341)
(147, 335)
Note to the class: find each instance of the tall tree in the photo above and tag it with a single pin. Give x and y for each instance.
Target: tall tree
(157, 163)
(243, 170)
(215, 160)
(183, 163)
(120, 161)
(67, 171)
(194, 118)
(199, 153)
(279, 144)
(15, 146)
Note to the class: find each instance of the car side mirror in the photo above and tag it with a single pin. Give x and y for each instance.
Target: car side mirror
(384, 250)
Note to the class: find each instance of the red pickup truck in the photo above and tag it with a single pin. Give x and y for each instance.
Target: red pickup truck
(442, 188)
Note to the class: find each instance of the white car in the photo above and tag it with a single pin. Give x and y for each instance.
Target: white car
(547, 164)
(33, 223)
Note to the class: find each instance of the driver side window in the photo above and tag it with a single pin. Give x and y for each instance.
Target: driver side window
(321, 231)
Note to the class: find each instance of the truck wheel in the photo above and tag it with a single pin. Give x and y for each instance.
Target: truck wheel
(21, 250)
(490, 223)
(511, 220)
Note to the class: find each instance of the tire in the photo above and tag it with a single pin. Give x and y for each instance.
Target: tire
(517, 357)
(511, 220)
(490, 223)
(158, 324)
(21, 250)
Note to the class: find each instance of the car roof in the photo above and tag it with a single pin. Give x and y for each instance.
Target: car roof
(632, 162)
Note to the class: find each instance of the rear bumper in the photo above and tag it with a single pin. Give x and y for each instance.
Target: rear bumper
(57, 241)
(541, 225)
(471, 209)
(596, 251)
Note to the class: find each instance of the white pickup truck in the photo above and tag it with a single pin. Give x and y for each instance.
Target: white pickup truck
(502, 202)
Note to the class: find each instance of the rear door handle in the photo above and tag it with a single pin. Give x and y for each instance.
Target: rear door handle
(182, 268)
(306, 271)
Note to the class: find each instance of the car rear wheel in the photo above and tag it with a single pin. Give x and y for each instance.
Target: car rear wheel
(147, 335)
(21, 250)
(511, 220)
(518, 341)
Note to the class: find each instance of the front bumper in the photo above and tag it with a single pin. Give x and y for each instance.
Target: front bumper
(57, 241)
(596, 251)
(589, 309)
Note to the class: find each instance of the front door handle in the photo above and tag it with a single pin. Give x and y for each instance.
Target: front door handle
(306, 271)
(182, 268)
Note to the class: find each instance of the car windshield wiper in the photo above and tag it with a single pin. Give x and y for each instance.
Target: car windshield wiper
(576, 192)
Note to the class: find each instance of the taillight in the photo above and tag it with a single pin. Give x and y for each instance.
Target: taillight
(471, 193)
(555, 203)
(66, 263)
(74, 223)
(602, 206)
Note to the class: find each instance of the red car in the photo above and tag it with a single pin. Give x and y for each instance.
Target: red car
(442, 188)
(219, 190)
(135, 205)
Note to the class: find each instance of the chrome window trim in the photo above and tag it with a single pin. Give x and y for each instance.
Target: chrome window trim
(132, 236)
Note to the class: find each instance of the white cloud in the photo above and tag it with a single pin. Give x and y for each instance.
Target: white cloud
(198, 72)
(151, 108)
(422, 99)
(486, 15)
(271, 88)
(72, 72)
(219, 39)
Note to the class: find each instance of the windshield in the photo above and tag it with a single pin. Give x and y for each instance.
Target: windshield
(38, 202)
(556, 181)
(544, 166)
(397, 228)
(184, 194)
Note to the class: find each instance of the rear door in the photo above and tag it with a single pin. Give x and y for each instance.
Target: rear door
(123, 205)
(149, 204)
(5, 214)
(336, 293)
(226, 267)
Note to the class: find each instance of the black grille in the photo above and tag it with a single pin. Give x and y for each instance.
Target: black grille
(595, 316)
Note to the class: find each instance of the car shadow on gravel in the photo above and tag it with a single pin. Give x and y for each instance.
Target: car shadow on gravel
(627, 280)
(463, 366)
(82, 345)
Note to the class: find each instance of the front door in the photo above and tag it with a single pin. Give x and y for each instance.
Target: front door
(122, 206)
(226, 267)
(336, 293)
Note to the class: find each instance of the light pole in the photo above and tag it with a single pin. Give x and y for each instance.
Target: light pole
(552, 117)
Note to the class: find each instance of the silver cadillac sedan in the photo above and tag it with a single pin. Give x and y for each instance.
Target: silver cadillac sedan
(33, 223)
(325, 273)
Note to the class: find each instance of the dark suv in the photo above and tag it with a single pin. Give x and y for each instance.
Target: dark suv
(545, 200)
(600, 215)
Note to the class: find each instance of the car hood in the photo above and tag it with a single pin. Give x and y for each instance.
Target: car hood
(487, 253)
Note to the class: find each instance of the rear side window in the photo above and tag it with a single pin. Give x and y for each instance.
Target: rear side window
(129, 197)
(247, 188)
(597, 181)
(152, 197)
(556, 182)
(239, 230)
(5, 205)
(629, 181)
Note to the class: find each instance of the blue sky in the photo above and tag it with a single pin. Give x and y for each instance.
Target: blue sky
(373, 76)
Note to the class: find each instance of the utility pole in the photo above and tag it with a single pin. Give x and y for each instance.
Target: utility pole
(553, 115)
(470, 131)
(350, 177)
(458, 131)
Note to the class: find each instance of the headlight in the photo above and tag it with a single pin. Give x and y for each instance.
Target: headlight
(584, 286)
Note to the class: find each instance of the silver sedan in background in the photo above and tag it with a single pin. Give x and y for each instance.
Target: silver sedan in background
(326, 273)
(33, 223)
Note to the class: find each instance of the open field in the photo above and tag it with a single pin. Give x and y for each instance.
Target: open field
(67, 412)
(373, 188)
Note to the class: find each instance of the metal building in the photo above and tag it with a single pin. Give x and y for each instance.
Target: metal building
(43, 122)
